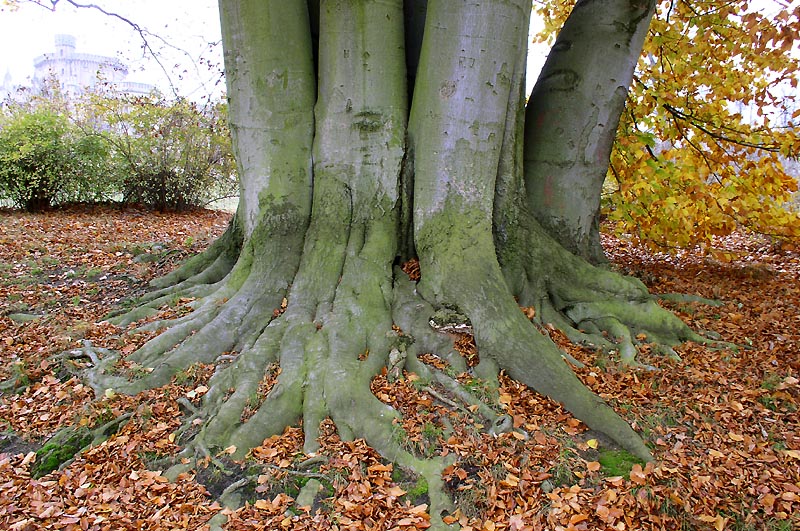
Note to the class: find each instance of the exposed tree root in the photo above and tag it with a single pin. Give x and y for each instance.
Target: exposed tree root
(208, 266)
(593, 306)
(348, 315)
(60, 450)
(198, 277)
(338, 331)
(685, 297)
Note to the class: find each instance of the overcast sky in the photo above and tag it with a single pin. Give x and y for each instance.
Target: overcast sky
(192, 25)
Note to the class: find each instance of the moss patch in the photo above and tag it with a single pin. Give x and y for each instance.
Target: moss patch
(415, 485)
(617, 462)
(59, 449)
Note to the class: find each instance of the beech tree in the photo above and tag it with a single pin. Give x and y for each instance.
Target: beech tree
(709, 130)
(375, 135)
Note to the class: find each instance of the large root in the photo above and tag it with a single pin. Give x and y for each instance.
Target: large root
(343, 325)
(318, 332)
(198, 277)
(591, 305)
(328, 343)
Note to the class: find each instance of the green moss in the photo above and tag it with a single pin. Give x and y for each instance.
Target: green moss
(241, 270)
(617, 462)
(59, 449)
(418, 490)
(415, 485)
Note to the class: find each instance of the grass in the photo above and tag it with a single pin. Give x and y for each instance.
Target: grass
(20, 376)
(562, 469)
(663, 416)
(187, 376)
(771, 381)
(738, 523)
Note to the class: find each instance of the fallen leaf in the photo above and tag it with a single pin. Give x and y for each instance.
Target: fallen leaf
(735, 436)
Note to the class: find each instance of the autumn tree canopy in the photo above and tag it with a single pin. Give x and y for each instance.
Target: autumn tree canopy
(711, 123)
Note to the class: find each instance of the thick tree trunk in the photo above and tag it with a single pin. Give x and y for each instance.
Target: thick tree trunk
(271, 93)
(451, 166)
(573, 114)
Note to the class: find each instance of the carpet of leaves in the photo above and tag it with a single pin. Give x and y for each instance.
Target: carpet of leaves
(723, 424)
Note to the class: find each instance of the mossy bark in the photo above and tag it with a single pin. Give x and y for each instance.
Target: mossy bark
(337, 186)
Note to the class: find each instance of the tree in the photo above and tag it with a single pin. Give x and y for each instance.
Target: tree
(374, 134)
(709, 126)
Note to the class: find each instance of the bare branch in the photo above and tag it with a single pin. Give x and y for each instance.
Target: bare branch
(700, 124)
(145, 35)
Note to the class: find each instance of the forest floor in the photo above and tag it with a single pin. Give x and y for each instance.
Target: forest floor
(723, 424)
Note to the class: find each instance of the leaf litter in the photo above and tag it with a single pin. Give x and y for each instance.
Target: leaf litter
(723, 424)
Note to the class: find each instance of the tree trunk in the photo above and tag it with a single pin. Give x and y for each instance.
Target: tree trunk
(573, 114)
(331, 186)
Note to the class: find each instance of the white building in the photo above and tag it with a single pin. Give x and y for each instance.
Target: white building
(78, 72)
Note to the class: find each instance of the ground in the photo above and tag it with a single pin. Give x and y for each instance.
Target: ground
(723, 424)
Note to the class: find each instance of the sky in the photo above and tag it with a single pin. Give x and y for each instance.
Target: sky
(186, 31)
(192, 25)
(185, 35)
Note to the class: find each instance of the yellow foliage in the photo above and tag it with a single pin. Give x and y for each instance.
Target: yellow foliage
(700, 145)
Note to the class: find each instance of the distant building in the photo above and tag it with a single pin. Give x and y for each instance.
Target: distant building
(77, 73)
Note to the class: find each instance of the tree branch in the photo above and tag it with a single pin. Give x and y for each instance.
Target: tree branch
(142, 32)
(696, 122)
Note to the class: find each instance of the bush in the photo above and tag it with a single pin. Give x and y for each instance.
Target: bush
(168, 155)
(45, 159)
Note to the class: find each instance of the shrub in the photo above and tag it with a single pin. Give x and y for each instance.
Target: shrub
(168, 155)
(46, 159)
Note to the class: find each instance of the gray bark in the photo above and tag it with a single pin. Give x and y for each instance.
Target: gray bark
(271, 92)
(573, 115)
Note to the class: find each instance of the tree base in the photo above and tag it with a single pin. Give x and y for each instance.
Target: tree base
(303, 344)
